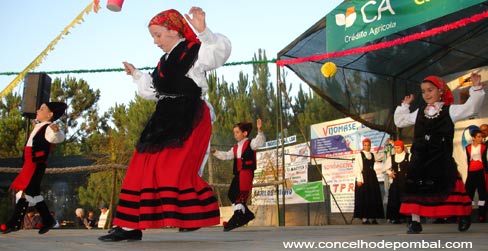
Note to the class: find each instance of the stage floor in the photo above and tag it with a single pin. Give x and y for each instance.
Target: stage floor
(332, 237)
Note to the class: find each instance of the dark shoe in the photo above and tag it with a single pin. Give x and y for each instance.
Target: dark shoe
(47, 226)
(374, 222)
(482, 214)
(48, 221)
(414, 227)
(119, 234)
(15, 222)
(184, 230)
(464, 223)
(366, 222)
(239, 219)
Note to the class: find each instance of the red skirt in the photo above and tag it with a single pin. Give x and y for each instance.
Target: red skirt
(22, 180)
(164, 189)
(457, 203)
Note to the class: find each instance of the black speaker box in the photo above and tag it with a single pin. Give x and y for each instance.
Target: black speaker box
(37, 90)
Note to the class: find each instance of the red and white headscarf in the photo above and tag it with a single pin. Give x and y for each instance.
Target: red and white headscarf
(173, 20)
(447, 97)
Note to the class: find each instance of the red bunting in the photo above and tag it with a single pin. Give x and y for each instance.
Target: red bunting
(416, 36)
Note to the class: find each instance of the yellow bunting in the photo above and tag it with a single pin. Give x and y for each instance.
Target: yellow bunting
(38, 60)
(329, 69)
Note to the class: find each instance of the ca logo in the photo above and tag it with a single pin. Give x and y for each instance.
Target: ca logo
(347, 19)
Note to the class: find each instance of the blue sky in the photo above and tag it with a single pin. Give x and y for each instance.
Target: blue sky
(107, 38)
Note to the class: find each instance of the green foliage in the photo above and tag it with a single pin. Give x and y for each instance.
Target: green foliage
(99, 188)
(12, 127)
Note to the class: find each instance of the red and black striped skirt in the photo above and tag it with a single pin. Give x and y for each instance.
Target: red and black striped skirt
(456, 203)
(164, 189)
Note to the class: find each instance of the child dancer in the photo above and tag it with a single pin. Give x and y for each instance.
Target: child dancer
(162, 187)
(477, 166)
(434, 187)
(244, 156)
(28, 182)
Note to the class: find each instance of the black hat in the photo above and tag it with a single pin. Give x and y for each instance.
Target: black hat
(103, 205)
(57, 108)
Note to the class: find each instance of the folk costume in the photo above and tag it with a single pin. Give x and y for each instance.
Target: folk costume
(28, 183)
(244, 156)
(368, 203)
(162, 187)
(398, 164)
(434, 187)
(477, 167)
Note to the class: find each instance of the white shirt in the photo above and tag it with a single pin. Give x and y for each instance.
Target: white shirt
(404, 118)
(214, 52)
(475, 152)
(102, 219)
(258, 141)
(50, 135)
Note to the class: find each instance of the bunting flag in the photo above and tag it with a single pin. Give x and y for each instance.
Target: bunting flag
(38, 60)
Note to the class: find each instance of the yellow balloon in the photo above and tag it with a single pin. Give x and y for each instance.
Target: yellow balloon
(329, 69)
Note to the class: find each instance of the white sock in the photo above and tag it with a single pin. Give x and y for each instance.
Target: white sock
(415, 217)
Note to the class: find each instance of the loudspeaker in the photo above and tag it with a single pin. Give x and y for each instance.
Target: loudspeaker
(37, 90)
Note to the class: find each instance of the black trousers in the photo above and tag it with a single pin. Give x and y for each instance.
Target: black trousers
(476, 181)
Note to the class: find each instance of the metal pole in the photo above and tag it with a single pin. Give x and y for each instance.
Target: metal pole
(281, 136)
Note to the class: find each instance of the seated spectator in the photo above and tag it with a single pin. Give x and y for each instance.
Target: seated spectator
(31, 219)
(103, 216)
(80, 220)
(91, 222)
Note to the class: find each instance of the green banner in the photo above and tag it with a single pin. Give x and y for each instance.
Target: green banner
(356, 22)
(311, 192)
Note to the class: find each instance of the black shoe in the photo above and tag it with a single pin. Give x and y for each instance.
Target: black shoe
(374, 222)
(184, 230)
(119, 234)
(464, 223)
(46, 227)
(414, 227)
(239, 219)
(366, 222)
(48, 221)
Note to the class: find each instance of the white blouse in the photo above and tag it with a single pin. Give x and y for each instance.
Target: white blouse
(214, 52)
(258, 141)
(50, 135)
(404, 118)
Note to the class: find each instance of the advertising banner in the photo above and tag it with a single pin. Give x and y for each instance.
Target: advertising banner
(269, 169)
(356, 22)
(334, 145)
